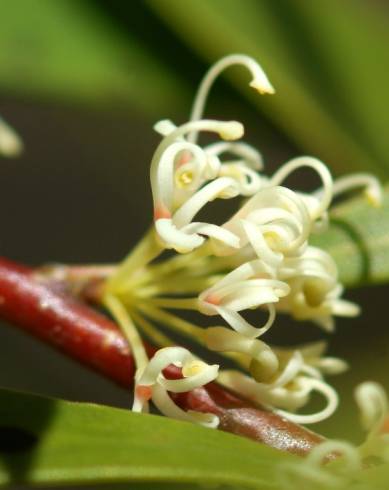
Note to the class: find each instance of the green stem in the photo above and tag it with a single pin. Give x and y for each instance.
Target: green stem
(175, 303)
(119, 312)
(172, 322)
(144, 252)
(157, 337)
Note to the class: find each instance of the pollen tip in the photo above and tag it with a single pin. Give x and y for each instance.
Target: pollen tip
(232, 130)
(262, 86)
(374, 197)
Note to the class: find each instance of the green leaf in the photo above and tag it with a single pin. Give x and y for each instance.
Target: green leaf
(300, 107)
(66, 50)
(351, 40)
(358, 240)
(50, 442)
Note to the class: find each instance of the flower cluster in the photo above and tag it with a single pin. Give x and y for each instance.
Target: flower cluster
(318, 470)
(260, 258)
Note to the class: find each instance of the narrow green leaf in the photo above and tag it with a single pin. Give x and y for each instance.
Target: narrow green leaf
(358, 240)
(352, 39)
(47, 441)
(220, 27)
(67, 51)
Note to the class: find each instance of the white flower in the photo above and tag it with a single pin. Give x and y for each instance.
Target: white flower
(249, 286)
(151, 384)
(263, 359)
(174, 226)
(314, 289)
(179, 167)
(274, 222)
(298, 375)
(260, 258)
(351, 460)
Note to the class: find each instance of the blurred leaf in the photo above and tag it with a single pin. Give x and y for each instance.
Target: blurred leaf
(352, 38)
(300, 108)
(358, 240)
(375, 478)
(52, 442)
(66, 50)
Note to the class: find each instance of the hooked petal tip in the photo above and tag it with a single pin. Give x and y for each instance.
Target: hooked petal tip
(232, 130)
(263, 86)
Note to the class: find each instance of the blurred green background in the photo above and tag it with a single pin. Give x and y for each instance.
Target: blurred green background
(84, 81)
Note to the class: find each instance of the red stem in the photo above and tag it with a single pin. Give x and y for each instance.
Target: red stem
(48, 312)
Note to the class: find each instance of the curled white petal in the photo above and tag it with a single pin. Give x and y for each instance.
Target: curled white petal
(247, 180)
(162, 174)
(205, 376)
(213, 231)
(260, 246)
(259, 82)
(165, 405)
(221, 187)
(286, 233)
(162, 164)
(172, 237)
(239, 324)
(236, 295)
(370, 184)
(229, 298)
(372, 403)
(329, 394)
(288, 392)
(180, 233)
(315, 293)
(222, 339)
(189, 237)
(196, 373)
(248, 153)
(305, 161)
(164, 127)
(161, 360)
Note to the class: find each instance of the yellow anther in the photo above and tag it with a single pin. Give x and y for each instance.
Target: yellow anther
(184, 179)
(192, 368)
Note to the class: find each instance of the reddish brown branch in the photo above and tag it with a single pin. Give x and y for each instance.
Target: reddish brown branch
(48, 312)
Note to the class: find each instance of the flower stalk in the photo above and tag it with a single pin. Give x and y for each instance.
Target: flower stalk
(38, 302)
